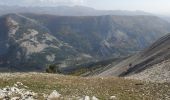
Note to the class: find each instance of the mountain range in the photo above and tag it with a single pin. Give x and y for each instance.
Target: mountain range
(66, 11)
(28, 42)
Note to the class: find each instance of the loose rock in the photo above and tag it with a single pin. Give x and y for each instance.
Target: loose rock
(94, 98)
(113, 98)
(54, 95)
(86, 98)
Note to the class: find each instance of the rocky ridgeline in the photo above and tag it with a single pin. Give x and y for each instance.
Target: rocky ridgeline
(21, 92)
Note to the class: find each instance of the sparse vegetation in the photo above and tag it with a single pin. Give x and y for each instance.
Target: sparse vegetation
(91, 68)
(102, 88)
(52, 69)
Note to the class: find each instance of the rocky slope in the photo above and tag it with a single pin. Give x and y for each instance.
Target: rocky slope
(151, 64)
(28, 42)
(157, 73)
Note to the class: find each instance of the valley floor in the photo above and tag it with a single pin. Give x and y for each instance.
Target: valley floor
(101, 88)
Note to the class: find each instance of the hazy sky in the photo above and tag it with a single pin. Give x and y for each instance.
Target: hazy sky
(154, 6)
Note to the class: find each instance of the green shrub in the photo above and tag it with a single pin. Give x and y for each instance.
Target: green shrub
(52, 69)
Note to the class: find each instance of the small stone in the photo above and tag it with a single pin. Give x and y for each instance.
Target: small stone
(26, 87)
(14, 89)
(6, 98)
(19, 83)
(86, 98)
(15, 98)
(113, 98)
(45, 95)
(16, 85)
(29, 98)
(29, 94)
(6, 89)
(54, 95)
(2, 94)
(81, 99)
(94, 98)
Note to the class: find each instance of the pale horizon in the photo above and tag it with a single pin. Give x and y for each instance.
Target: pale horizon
(152, 6)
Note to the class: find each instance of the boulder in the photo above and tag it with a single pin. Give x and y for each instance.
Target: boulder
(54, 95)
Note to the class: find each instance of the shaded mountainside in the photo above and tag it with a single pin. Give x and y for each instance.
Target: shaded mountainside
(151, 64)
(28, 42)
(105, 36)
(91, 68)
(26, 45)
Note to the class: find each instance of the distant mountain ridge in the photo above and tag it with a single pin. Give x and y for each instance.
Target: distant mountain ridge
(31, 41)
(67, 11)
